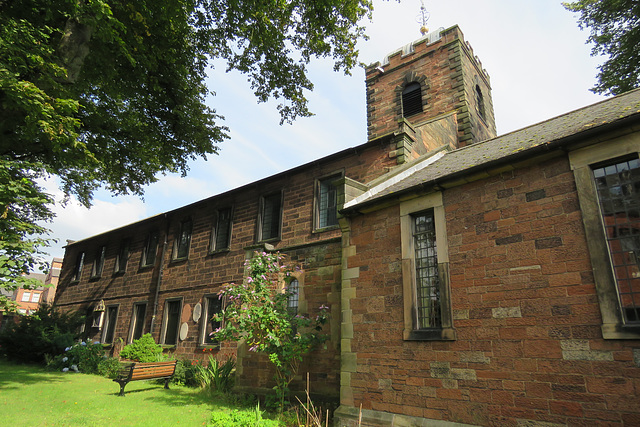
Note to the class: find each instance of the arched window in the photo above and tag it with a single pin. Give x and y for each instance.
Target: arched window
(292, 303)
(411, 99)
(480, 102)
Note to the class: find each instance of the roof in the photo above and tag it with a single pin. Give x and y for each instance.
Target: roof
(525, 142)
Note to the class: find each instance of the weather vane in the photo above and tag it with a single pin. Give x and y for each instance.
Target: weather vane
(422, 18)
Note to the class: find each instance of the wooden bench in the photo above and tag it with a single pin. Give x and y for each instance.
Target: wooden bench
(146, 371)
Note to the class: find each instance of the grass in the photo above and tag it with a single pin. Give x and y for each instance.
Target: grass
(33, 396)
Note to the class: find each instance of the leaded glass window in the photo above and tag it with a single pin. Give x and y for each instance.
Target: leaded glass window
(618, 189)
(428, 313)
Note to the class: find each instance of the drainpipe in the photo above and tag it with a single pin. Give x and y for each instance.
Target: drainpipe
(159, 282)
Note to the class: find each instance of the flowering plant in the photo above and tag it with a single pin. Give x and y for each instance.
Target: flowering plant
(83, 356)
(257, 312)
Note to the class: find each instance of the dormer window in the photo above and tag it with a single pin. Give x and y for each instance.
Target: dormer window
(411, 99)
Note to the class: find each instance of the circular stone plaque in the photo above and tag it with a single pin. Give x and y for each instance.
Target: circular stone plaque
(197, 311)
(184, 330)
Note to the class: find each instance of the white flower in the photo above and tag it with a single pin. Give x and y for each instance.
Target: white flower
(83, 343)
(65, 369)
(67, 349)
(96, 342)
(74, 367)
(64, 359)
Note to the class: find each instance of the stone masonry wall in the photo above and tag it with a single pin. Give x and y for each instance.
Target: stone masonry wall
(529, 349)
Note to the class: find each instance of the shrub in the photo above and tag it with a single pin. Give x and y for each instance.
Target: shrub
(81, 357)
(186, 373)
(217, 375)
(39, 336)
(144, 350)
(241, 418)
(109, 367)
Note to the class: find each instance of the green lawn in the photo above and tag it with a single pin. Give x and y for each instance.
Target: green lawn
(32, 396)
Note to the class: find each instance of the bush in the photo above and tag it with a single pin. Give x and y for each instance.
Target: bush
(109, 367)
(82, 357)
(241, 418)
(186, 373)
(217, 375)
(144, 350)
(39, 336)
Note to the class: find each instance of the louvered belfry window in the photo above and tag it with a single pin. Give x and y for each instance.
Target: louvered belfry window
(411, 99)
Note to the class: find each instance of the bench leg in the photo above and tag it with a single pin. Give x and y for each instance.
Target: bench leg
(166, 383)
(122, 384)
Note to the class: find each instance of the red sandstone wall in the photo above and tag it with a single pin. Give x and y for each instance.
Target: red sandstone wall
(528, 345)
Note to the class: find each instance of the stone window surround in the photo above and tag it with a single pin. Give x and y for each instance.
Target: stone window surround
(165, 320)
(213, 247)
(261, 214)
(407, 209)
(134, 320)
(581, 161)
(186, 225)
(204, 321)
(334, 177)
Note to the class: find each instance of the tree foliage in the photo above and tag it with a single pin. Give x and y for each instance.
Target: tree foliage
(256, 312)
(112, 93)
(615, 33)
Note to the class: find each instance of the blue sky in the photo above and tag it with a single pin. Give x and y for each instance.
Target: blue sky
(539, 64)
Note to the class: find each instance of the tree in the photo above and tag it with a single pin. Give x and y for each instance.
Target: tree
(256, 312)
(111, 93)
(615, 32)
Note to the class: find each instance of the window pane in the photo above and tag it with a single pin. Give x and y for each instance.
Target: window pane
(77, 273)
(98, 262)
(293, 300)
(427, 279)
(327, 204)
(184, 239)
(36, 297)
(172, 323)
(214, 306)
(271, 216)
(26, 296)
(150, 250)
(618, 188)
(138, 320)
(112, 315)
(122, 257)
(223, 229)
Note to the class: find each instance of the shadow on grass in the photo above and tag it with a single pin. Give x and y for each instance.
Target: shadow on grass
(25, 374)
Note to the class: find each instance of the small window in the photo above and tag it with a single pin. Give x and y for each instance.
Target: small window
(183, 241)
(480, 103)
(425, 279)
(150, 249)
(293, 300)
(428, 313)
(171, 321)
(122, 257)
(77, 271)
(36, 297)
(212, 306)
(327, 203)
(110, 324)
(412, 99)
(618, 189)
(137, 321)
(270, 216)
(98, 262)
(221, 233)
(26, 296)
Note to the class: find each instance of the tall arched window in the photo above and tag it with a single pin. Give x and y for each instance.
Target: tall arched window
(411, 99)
(480, 102)
(293, 300)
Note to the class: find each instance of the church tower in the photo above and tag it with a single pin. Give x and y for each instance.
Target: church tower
(430, 93)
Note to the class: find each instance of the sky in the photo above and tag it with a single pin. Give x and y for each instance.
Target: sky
(533, 50)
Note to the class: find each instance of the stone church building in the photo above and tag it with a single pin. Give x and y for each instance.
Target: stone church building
(471, 279)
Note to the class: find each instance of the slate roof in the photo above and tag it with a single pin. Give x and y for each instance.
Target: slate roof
(549, 134)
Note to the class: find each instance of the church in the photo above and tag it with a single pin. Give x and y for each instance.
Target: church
(471, 279)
